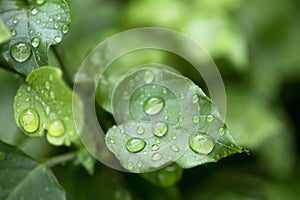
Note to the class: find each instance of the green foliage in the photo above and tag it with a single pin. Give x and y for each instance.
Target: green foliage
(23, 178)
(34, 26)
(4, 33)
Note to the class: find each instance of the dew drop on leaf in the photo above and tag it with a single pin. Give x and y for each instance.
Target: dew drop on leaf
(56, 25)
(40, 2)
(221, 131)
(135, 145)
(159, 128)
(35, 42)
(195, 99)
(130, 166)
(140, 130)
(153, 105)
(210, 118)
(156, 156)
(57, 39)
(140, 164)
(15, 20)
(56, 128)
(2, 155)
(20, 52)
(13, 32)
(65, 29)
(29, 120)
(195, 119)
(201, 143)
(154, 147)
(34, 11)
(174, 148)
(149, 77)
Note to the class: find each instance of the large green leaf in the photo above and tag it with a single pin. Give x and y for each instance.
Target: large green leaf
(34, 26)
(23, 178)
(45, 103)
(4, 33)
(162, 118)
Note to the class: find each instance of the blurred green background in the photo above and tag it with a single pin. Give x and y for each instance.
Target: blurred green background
(256, 46)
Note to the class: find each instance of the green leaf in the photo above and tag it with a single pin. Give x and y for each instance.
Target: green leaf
(87, 160)
(35, 26)
(162, 118)
(45, 103)
(23, 178)
(4, 33)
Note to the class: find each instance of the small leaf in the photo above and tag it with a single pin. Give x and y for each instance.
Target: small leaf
(162, 118)
(87, 160)
(4, 33)
(23, 178)
(34, 26)
(45, 103)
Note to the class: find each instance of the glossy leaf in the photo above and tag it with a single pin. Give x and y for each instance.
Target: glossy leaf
(23, 178)
(44, 103)
(169, 118)
(4, 33)
(35, 26)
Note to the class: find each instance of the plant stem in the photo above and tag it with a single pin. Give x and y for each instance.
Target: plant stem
(60, 159)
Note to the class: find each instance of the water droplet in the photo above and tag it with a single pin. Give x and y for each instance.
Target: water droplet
(58, 17)
(29, 120)
(164, 90)
(56, 25)
(112, 141)
(57, 39)
(130, 166)
(34, 11)
(221, 131)
(156, 156)
(27, 99)
(13, 32)
(38, 21)
(201, 143)
(20, 52)
(195, 119)
(52, 95)
(210, 118)
(126, 95)
(135, 145)
(15, 20)
(157, 141)
(149, 77)
(153, 105)
(51, 18)
(65, 29)
(140, 130)
(174, 137)
(40, 2)
(182, 96)
(19, 94)
(35, 42)
(47, 85)
(155, 147)
(47, 110)
(2, 155)
(159, 129)
(139, 164)
(39, 33)
(56, 128)
(195, 99)
(174, 148)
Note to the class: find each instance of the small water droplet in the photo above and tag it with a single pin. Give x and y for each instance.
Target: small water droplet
(195, 99)
(52, 95)
(56, 25)
(153, 105)
(57, 39)
(130, 166)
(221, 131)
(201, 143)
(2, 155)
(195, 119)
(47, 85)
(13, 32)
(34, 11)
(40, 2)
(148, 77)
(20, 51)
(29, 120)
(164, 90)
(174, 148)
(135, 145)
(39, 33)
(156, 156)
(155, 147)
(27, 99)
(19, 94)
(140, 130)
(174, 137)
(56, 128)
(139, 164)
(159, 128)
(112, 141)
(65, 29)
(157, 141)
(48, 110)
(51, 18)
(182, 96)
(35, 42)
(58, 17)
(15, 20)
(210, 118)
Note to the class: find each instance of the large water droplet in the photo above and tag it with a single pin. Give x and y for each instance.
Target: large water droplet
(135, 145)
(140, 130)
(159, 128)
(20, 51)
(35, 42)
(201, 143)
(34, 11)
(149, 77)
(29, 120)
(153, 105)
(40, 2)
(56, 128)
(2, 155)
(65, 29)
(156, 156)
